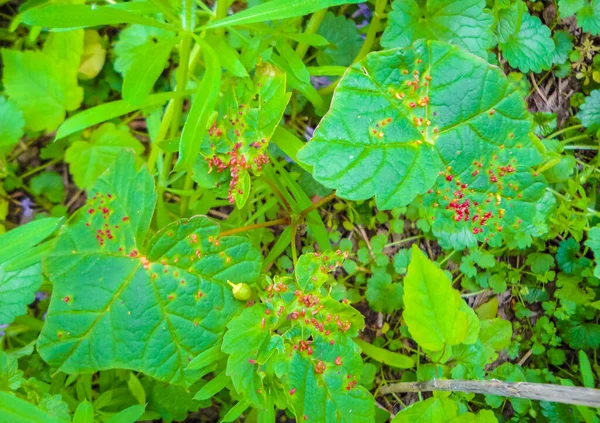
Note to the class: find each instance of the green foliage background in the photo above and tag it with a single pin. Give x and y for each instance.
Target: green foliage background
(268, 211)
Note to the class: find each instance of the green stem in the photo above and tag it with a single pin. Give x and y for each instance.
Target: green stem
(39, 168)
(311, 28)
(165, 123)
(222, 6)
(282, 221)
(315, 206)
(373, 29)
(473, 294)
(562, 131)
(580, 147)
(576, 138)
(402, 241)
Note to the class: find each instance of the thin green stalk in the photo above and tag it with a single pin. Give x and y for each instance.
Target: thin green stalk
(165, 123)
(316, 205)
(373, 29)
(576, 138)
(39, 168)
(580, 147)
(402, 241)
(562, 131)
(282, 221)
(311, 28)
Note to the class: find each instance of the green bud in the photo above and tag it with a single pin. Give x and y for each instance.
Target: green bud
(241, 291)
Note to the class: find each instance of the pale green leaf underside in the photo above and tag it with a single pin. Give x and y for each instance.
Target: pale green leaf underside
(463, 23)
(372, 142)
(120, 304)
(435, 313)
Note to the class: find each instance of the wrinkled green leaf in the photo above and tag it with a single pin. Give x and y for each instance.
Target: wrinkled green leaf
(119, 302)
(524, 41)
(374, 143)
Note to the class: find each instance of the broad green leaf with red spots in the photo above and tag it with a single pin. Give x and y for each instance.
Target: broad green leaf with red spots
(296, 346)
(434, 312)
(464, 23)
(410, 121)
(119, 302)
(247, 117)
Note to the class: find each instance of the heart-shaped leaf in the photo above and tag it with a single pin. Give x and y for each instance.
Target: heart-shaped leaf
(119, 303)
(403, 119)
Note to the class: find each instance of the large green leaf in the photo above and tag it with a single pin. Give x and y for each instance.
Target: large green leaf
(464, 23)
(435, 313)
(400, 117)
(121, 303)
(297, 346)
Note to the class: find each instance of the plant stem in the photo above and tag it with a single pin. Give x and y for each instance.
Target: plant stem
(282, 221)
(373, 29)
(576, 138)
(311, 28)
(402, 241)
(39, 168)
(580, 147)
(165, 123)
(316, 205)
(535, 391)
(222, 6)
(562, 131)
(473, 294)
